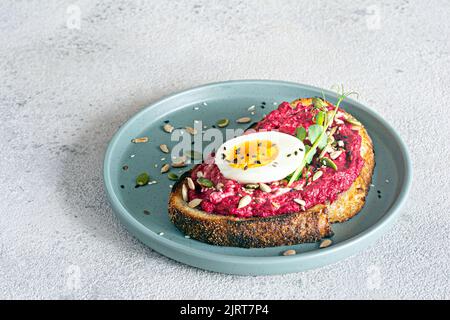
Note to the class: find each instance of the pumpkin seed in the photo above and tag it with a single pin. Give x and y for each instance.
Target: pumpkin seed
(164, 148)
(317, 175)
(172, 176)
(325, 243)
(289, 252)
(328, 163)
(353, 121)
(168, 128)
(300, 202)
(191, 130)
(190, 183)
(142, 179)
(184, 192)
(335, 154)
(165, 168)
(252, 186)
(264, 187)
(245, 201)
(244, 120)
(194, 203)
(140, 140)
(222, 123)
(193, 154)
(205, 182)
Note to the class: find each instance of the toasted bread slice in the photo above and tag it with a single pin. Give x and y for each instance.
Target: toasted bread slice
(287, 229)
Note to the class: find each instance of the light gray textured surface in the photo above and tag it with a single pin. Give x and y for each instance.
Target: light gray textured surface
(65, 90)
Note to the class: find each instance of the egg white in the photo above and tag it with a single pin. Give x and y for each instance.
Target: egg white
(277, 169)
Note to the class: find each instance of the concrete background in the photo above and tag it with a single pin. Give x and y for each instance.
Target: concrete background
(72, 71)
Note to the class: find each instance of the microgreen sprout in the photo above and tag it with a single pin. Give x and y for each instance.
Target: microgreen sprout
(319, 140)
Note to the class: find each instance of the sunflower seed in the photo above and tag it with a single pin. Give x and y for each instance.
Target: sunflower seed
(300, 202)
(244, 120)
(168, 128)
(325, 243)
(219, 186)
(194, 203)
(165, 168)
(184, 192)
(289, 252)
(190, 183)
(245, 201)
(317, 175)
(140, 140)
(191, 130)
(264, 187)
(335, 154)
(164, 148)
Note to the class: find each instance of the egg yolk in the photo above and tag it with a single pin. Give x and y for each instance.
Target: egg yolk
(251, 154)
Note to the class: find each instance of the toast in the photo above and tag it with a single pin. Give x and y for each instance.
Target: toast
(285, 229)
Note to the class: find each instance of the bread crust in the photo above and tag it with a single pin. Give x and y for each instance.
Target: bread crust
(286, 229)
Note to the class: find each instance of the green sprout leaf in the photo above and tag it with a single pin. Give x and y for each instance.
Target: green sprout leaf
(320, 118)
(301, 133)
(315, 132)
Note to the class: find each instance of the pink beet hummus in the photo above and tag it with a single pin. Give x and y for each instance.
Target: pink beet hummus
(285, 119)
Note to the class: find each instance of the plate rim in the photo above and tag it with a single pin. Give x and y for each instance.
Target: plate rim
(340, 250)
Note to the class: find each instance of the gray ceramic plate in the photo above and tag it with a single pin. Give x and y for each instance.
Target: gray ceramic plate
(392, 177)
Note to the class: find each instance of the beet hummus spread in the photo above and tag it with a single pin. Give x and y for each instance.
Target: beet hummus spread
(224, 197)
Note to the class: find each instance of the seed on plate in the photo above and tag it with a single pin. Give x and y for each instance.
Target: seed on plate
(140, 140)
(164, 148)
(317, 175)
(142, 179)
(222, 123)
(252, 108)
(190, 183)
(161, 233)
(178, 163)
(245, 201)
(289, 252)
(193, 154)
(172, 176)
(191, 130)
(252, 186)
(219, 186)
(264, 187)
(187, 237)
(184, 192)
(199, 174)
(353, 121)
(194, 203)
(300, 202)
(328, 163)
(325, 243)
(165, 168)
(244, 120)
(168, 128)
(335, 154)
(205, 182)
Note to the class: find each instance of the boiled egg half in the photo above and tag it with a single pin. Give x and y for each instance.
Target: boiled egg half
(260, 157)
